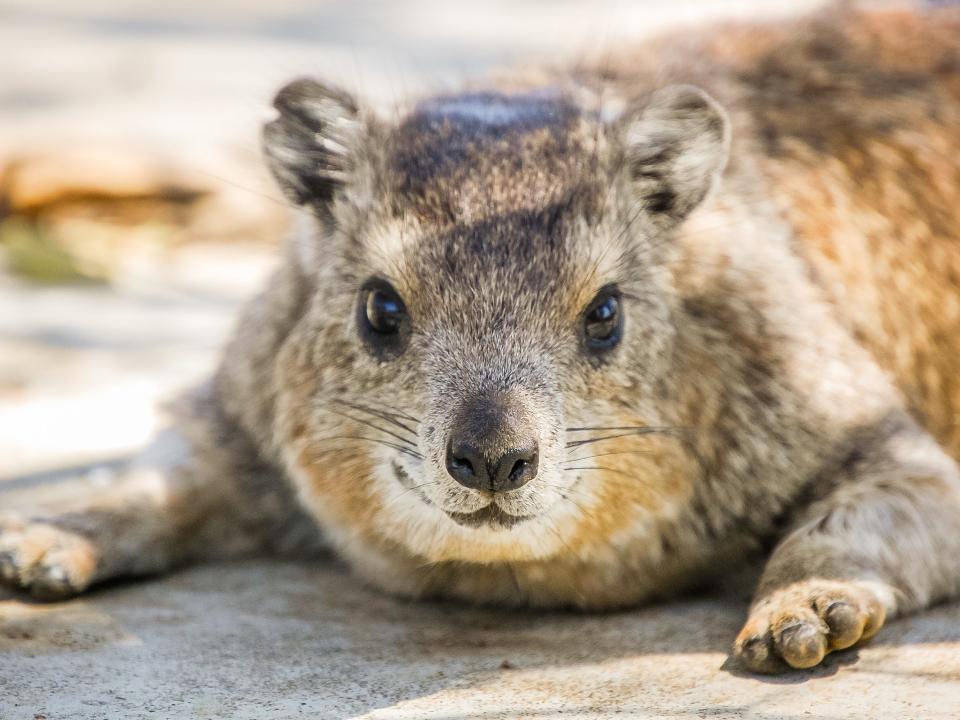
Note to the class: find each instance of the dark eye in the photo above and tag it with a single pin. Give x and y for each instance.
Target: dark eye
(383, 316)
(603, 321)
(384, 311)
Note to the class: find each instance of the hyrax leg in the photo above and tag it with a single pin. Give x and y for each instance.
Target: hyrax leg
(884, 541)
(180, 503)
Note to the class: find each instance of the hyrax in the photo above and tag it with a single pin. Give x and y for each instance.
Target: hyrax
(588, 339)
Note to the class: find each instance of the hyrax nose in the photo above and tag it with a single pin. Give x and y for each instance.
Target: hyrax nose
(492, 445)
(471, 467)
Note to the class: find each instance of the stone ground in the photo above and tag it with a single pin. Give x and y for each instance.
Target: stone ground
(270, 640)
(82, 368)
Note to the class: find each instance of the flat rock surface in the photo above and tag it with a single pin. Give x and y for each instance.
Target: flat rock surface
(264, 640)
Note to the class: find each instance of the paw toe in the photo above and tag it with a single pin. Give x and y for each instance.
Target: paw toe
(845, 622)
(757, 653)
(64, 572)
(802, 645)
(53, 585)
(49, 563)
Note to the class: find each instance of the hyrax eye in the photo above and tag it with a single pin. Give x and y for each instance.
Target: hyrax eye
(385, 311)
(382, 316)
(603, 321)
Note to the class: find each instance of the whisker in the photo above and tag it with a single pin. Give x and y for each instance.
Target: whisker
(426, 484)
(395, 446)
(614, 452)
(605, 469)
(397, 411)
(634, 431)
(581, 508)
(406, 490)
(399, 437)
(389, 417)
(566, 494)
(651, 428)
(267, 196)
(563, 491)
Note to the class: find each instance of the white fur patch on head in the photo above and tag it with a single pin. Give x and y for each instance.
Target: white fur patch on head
(386, 242)
(388, 247)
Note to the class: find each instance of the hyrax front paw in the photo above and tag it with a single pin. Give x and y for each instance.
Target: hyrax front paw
(48, 562)
(796, 626)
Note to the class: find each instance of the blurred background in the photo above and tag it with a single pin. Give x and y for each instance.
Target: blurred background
(135, 216)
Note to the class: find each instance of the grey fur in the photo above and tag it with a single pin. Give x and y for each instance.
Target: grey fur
(738, 413)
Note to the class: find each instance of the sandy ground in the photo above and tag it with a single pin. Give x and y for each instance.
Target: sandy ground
(260, 641)
(82, 370)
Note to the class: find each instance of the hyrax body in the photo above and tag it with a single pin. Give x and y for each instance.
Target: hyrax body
(587, 340)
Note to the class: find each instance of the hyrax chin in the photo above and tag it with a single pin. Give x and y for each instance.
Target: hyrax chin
(587, 340)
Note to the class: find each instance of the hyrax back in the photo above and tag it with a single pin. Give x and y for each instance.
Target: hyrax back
(591, 338)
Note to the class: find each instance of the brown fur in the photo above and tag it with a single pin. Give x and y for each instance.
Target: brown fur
(785, 378)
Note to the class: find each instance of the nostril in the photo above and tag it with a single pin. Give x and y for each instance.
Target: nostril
(517, 471)
(462, 464)
(466, 466)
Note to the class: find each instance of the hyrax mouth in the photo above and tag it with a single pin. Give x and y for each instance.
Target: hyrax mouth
(491, 515)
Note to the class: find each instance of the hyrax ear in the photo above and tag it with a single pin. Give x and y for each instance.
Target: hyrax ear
(676, 148)
(309, 147)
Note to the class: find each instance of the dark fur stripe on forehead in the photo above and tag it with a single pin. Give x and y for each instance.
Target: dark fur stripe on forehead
(477, 155)
(521, 239)
(511, 268)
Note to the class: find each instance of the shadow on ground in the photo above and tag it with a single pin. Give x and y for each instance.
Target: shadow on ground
(278, 639)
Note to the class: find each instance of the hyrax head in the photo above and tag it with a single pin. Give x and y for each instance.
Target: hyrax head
(479, 373)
